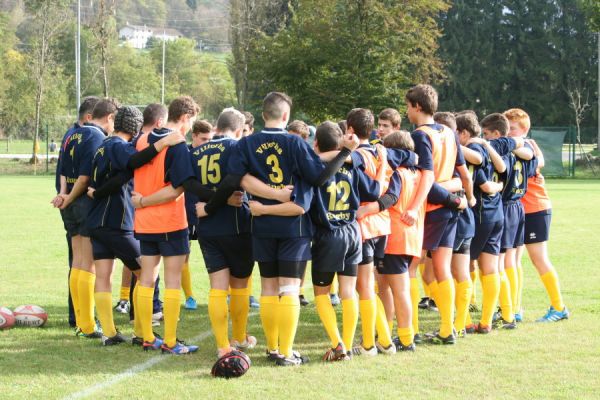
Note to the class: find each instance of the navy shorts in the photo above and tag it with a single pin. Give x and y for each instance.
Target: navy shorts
(488, 236)
(394, 264)
(231, 251)
(284, 249)
(109, 243)
(373, 249)
(513, 235)
(168, 248)
(462, 246)
(336, 250)
(75, 216)
(439, 231)
(537, 226)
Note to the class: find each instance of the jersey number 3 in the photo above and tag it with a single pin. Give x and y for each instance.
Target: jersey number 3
(276, 176)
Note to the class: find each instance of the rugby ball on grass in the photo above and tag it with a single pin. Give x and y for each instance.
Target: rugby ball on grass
(30, 315)
(7, 318)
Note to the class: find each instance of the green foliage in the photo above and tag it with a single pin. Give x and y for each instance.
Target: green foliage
(338, 55)
(513, 53)
(592, 10)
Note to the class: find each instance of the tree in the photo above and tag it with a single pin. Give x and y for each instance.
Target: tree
(337, 55)
(104, 32)
(48, 18)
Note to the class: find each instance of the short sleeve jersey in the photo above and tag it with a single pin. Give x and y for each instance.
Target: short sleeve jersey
(116, 210)
(60, 154)
(277, 159)
(78, 152)
(515, 184)
(210, 164)
(337, 201)
(488, 207)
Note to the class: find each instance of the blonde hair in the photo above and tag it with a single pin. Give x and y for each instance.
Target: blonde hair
(399, 140)
(519, 116)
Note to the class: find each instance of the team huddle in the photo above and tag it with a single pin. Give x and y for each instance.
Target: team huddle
(369, 211)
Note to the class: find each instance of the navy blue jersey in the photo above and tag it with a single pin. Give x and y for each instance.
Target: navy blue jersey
(515, 183)
(210, 163)
(398, 158)
(78, 152)
(488, 207)
(336, 202)
(191, 200)
(116, 210)
(178, 167)
(60, 154)
(277, 159)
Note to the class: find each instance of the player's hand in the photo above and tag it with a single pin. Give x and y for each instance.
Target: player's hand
(471, 202)
(409, 217)
(539, 179)
(236, 199)
(57, 201)
(361, 212)
(200, 211)
(66, 201)
(350, 141)
(381, 152)
(90, 192)
(136, 199)
(256, 208)
(284, 195)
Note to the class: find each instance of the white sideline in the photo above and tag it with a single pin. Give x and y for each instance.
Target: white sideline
(136, 369)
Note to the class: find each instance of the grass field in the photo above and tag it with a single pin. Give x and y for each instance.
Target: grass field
(535, 361)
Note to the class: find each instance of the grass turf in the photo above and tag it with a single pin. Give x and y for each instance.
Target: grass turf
(535, 361)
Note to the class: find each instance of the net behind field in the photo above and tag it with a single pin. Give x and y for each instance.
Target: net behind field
(551, 142)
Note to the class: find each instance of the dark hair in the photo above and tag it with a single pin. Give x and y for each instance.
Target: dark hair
(392, 115)
(343, 125)
(328, 136)
(201, 126)
(362, 121)
(399, 140)
(230, 119)
(300, 128)
(424, 96)
(468, 122)
(249, 118)
(496, 122)
(128, 120)
(87, 106)
(105, 107)
(154, 112)
(274, 103)
(445, 118)
(181, 106)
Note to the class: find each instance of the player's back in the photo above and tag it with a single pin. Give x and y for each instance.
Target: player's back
(210, 161)
(515, 185)
(78, 152)
(443, 149)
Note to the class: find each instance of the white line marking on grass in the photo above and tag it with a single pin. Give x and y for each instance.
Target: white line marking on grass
(136, 369)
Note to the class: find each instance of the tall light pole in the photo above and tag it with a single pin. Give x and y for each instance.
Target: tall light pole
(78, 57)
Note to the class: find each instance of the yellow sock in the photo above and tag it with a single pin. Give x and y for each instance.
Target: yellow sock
(328, 318)
(219, 318)
(85, 287)
(124, 293)
(490, 287)
(433, 291)
(414, 299)
(171, 309)
(349, 321)
(474, 275)
(381, 325)
(137, 324)
(105, 314)
(513, 281)
(368, 311)
(186, 280)
(268, 315)
(406, 336)
(519, 304)
(239, 304)
(463, 295)
(445, 295)
(425, 285)
(333, 289)
(505, 299)
(287, 318)
(74, 289)
(550, 281)
(143, 312)
(301, 290)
